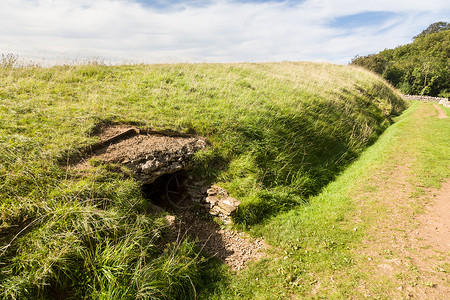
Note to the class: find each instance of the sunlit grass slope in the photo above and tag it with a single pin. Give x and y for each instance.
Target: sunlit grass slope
(278, 131)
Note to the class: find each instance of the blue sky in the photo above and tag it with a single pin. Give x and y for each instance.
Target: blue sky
(158, 31)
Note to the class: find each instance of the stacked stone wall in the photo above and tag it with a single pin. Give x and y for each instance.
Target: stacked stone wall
(424, 98)
(443, 101)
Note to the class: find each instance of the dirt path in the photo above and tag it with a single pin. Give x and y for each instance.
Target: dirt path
(406, 252)
(441, 113)
(430, 242)
(406, 249)
(434, 225)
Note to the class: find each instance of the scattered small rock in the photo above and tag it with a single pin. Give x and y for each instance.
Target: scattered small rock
(220, 203)
(170, 220)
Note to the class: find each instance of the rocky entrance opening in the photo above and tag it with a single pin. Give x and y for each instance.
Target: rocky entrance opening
(161, 162)
(169, 191)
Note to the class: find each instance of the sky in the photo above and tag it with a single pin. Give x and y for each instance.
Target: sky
(191, 31)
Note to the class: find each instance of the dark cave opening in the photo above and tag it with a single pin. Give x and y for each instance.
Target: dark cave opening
(168, 191)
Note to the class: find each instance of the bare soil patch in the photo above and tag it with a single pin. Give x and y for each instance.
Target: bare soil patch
(407, 248)
(140, 147)
(441, 112)
(125, 144)
(236, 249)
(108, 132)
(149, 154)
(434, 225)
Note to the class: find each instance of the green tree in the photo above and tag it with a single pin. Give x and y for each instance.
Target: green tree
(434, 28)
(421, 67)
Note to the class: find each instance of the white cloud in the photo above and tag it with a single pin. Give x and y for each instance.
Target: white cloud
(217, 31)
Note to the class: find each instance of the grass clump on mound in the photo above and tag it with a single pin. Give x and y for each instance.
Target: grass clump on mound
(279, 132)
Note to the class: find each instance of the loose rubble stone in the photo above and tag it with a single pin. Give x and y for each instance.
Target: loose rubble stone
(170, 220)
(220, 203)
(212, 200)
(169, 161)
(215, 200)
(236, 249)
(226, 206)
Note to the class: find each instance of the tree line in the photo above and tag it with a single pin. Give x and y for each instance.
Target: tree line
(419, 68)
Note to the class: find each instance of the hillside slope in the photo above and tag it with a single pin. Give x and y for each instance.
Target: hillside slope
(278, 132)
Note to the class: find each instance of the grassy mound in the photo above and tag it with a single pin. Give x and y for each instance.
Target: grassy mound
(279, 133)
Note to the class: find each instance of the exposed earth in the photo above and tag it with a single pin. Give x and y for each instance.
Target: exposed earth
(408, 246)
(396, 245)
(441, 113)
(231, 247)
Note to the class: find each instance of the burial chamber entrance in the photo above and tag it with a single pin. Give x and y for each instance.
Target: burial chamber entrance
(170, 191)
(160, 160)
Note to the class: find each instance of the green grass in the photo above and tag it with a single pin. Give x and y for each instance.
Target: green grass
(317, 246)
(280, 132)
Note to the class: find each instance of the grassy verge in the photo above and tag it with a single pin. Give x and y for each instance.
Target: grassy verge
(320, 249)
(279, 134)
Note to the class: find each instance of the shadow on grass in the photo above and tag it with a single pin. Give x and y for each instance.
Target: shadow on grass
(302, 152)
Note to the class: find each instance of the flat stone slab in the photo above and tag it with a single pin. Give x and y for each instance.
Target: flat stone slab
(148, 154)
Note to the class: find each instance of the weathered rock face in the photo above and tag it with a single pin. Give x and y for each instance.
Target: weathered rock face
(148, 155)
(171, 159)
